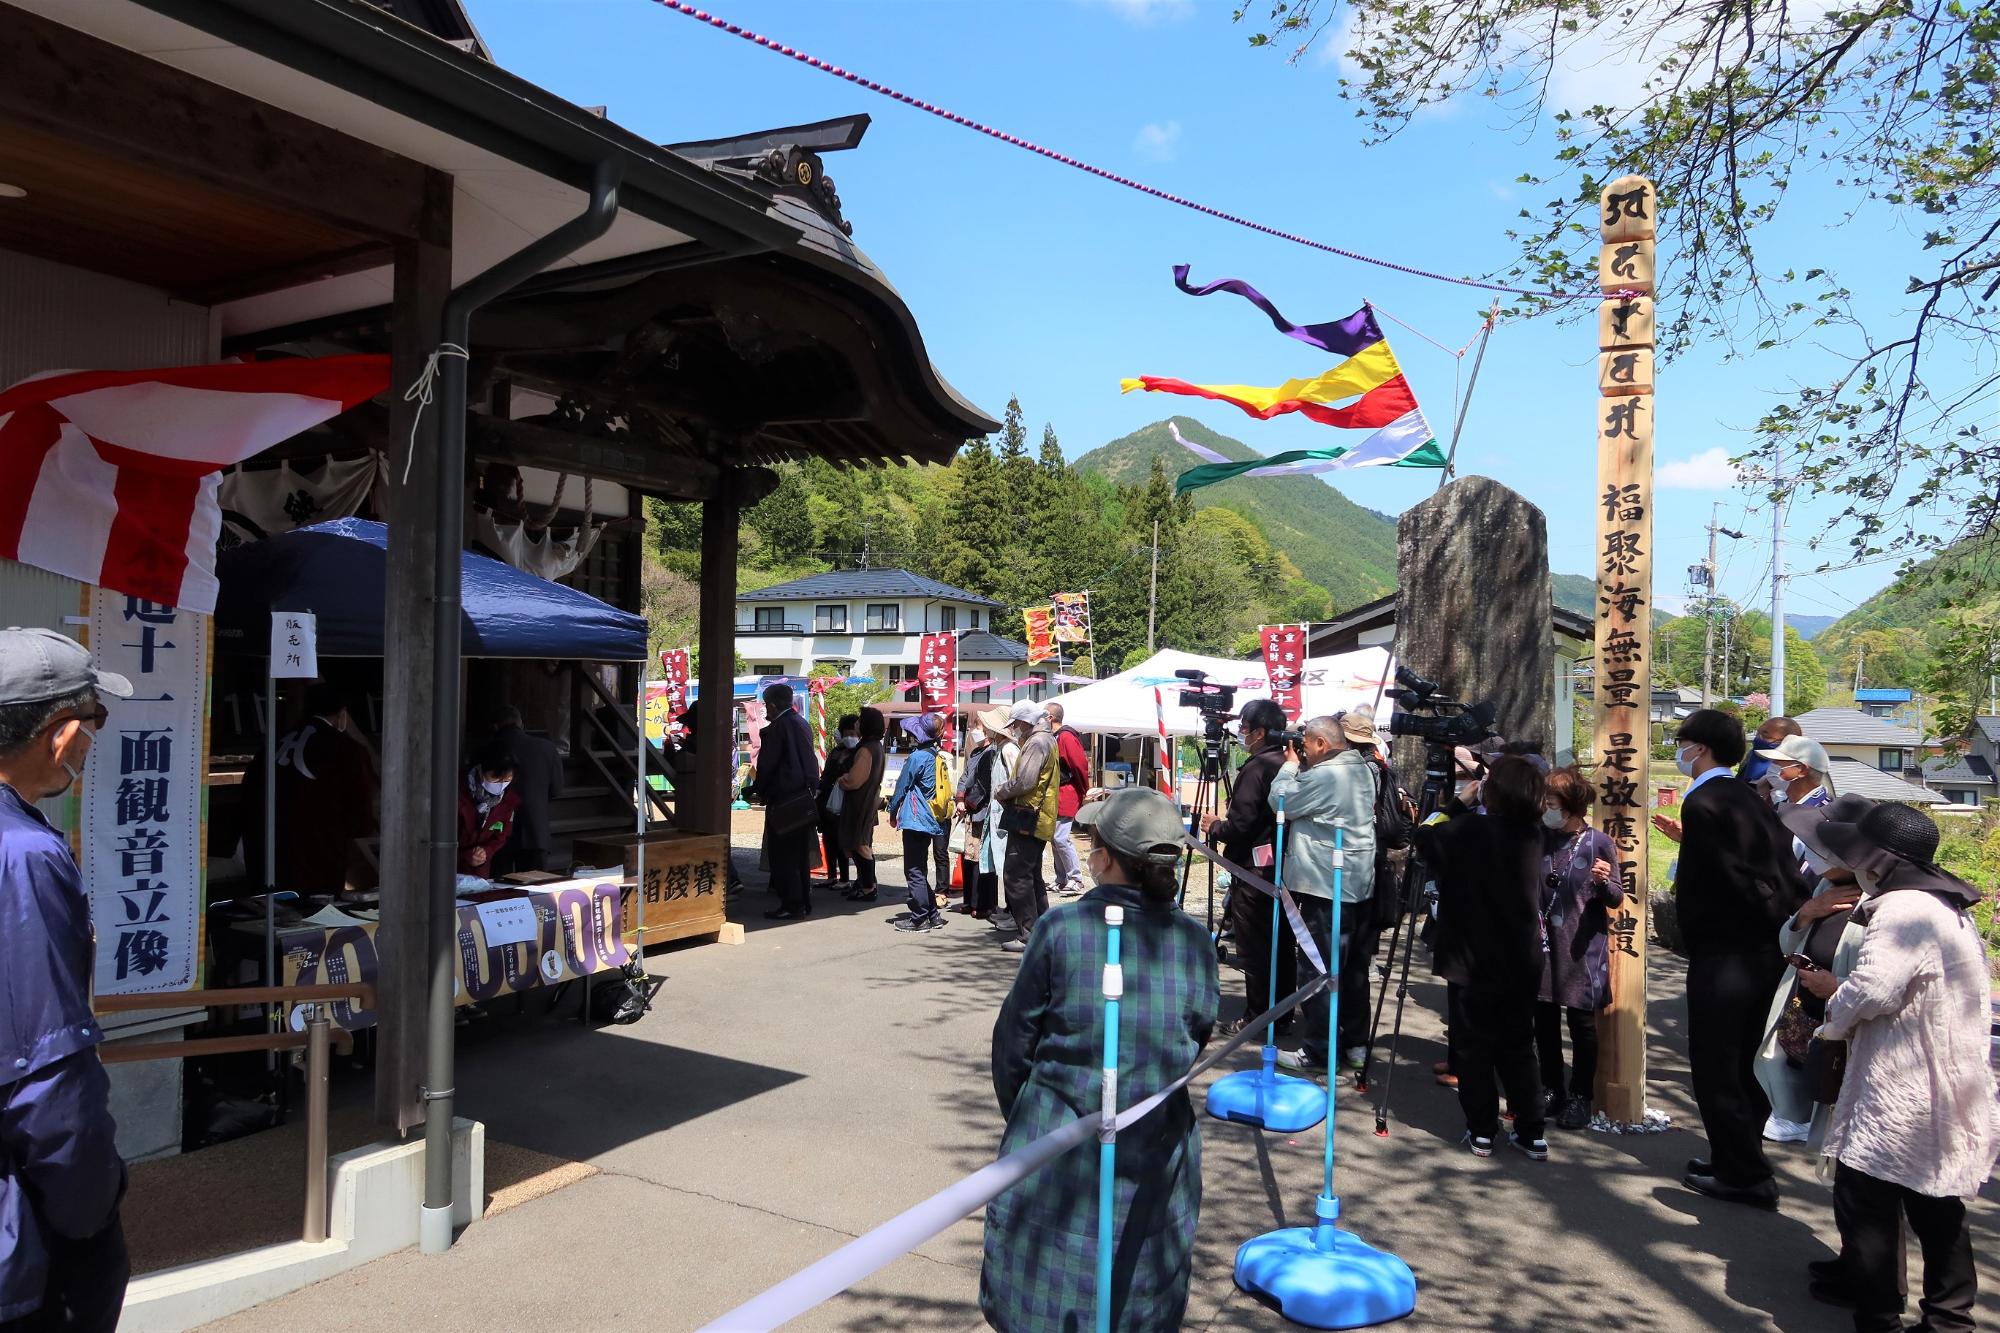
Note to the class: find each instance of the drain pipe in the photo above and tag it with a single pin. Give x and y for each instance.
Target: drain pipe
(435, 1229)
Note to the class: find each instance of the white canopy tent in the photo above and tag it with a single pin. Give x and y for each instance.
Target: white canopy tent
(1123, 705)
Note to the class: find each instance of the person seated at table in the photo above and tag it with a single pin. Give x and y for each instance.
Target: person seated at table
(487, 808)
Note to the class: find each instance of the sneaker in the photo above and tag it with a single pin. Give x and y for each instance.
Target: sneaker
(1301, 1062)
(1536, 1149)
(928, 921)
(1575, 1113)
(1780, 1130)
(1014, 946)
(1481, 1147)
(1354, 1057)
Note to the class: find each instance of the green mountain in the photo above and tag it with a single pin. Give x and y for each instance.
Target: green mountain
(1574, 592)
(1346, 549)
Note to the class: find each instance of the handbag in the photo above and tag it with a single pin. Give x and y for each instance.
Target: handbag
(1826, 1066)
(792, 814)
(836, 798)
(1019, 819)
(1795, 1029)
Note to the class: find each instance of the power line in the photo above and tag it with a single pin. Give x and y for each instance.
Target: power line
(1026, 145)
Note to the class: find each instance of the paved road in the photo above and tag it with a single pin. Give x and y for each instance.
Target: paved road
(790, 1094)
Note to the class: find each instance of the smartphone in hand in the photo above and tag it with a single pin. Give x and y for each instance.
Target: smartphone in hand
(1802, 963)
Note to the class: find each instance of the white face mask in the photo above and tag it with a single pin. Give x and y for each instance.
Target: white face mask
(849, 742)
(495, 788)
(1684, 761)
(1554, 818)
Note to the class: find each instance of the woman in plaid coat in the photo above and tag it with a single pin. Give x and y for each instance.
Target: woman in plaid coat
(1048, 1054)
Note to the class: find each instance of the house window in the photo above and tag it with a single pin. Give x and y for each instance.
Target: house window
(771, 619)
(1961, 797)
(1889, 761)
(830, 619)
(975, 617)
(978, 696)
(768, 669)
(947, 617)
(884, 616)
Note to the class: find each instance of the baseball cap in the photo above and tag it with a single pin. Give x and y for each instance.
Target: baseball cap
(1138, 822)
(1799, 750)
(1027, 710)
(37, 665)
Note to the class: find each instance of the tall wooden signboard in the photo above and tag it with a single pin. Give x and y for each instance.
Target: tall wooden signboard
(1625, 615)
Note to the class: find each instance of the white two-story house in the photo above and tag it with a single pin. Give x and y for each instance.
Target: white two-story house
(869, 622)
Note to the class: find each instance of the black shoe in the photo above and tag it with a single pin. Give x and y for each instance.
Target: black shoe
(928, 921)
(1764, 1194)
(1828, 1270)
(1575, 1113)
(1832, 1293)
(1700, 1166)
(787, 914)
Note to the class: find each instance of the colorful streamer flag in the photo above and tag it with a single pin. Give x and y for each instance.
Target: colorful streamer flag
(110, 477)
(1284, 665)
(1072, 617)
(1039, 622)
(1384, 402)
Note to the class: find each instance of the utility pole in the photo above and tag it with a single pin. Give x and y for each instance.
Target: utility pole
(1860, 658)
(1728, 667)
(1708, 613)
(1777, 589)
(1153, 588)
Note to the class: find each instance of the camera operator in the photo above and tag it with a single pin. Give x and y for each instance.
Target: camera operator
(1489, 943)
(1244, 835)
(1329, 800)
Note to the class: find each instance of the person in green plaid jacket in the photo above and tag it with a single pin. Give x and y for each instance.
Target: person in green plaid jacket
(1048, 1055)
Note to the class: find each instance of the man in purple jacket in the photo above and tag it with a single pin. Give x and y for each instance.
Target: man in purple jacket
(62, 1251)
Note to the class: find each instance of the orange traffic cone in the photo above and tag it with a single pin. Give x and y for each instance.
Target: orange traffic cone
(958, 872)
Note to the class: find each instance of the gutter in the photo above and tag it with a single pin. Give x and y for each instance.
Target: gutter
(439, 1073)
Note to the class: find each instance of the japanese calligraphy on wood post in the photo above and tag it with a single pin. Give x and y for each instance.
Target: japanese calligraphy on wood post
(1624, 672)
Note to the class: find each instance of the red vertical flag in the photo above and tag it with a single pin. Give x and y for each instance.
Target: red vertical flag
(674, 661)
(937, 679)
(1284, 666)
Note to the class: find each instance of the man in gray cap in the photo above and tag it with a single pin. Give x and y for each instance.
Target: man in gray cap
(62, 1251)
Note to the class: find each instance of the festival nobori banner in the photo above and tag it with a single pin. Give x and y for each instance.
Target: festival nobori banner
(141, 838)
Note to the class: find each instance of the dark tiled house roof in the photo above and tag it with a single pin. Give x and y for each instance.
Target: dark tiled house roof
(1846, 726)
(864, 583)
(1960, 770)
(979, 646)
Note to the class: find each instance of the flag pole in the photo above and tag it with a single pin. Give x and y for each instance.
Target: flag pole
(1465, 404)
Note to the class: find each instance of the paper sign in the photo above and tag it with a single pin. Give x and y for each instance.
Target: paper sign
(510, 921)
(294, 645)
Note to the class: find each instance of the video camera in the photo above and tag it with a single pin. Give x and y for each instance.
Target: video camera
(1214, 702)
(1443, 721)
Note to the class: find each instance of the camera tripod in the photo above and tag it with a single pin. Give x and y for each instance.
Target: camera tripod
(1439, 763)
(1211, 797)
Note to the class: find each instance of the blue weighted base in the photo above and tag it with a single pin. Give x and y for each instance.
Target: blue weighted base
(1323, 1277)
(1268, 1099)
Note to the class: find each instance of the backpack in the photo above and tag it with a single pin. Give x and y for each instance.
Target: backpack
(942, 791)
(979, 782)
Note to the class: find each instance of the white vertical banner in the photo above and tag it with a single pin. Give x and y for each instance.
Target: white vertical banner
(294, 645)
(141, 835)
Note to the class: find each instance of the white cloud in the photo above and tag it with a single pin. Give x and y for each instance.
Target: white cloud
(1709, 470)
(1157, 142)
(1145, 13)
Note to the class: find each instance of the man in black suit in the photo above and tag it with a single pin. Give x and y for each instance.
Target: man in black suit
(538, 780)
(787, 772)
(1245, 835)
(1735, 884)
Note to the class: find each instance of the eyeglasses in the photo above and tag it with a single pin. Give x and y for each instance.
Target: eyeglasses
(96, 717)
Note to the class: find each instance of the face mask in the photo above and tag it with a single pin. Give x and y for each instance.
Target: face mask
(1684, 761)
(849, 742)
(1554, 819)
(495, 788)
(1755, 767)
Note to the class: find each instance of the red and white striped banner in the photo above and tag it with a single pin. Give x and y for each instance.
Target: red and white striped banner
(110, 477)
(1169, 782)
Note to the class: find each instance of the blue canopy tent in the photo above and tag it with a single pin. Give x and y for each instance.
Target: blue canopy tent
(339, 572)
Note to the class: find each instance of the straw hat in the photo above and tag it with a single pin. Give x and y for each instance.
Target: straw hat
(993, 721)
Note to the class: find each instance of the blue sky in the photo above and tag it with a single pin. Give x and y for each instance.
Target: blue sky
(1030, 278)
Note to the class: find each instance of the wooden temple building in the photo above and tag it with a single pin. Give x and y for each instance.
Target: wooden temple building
(187, 180)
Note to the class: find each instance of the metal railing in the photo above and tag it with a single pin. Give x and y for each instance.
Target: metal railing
(317, 1039)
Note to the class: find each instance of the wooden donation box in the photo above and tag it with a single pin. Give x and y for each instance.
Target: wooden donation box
(686, 886)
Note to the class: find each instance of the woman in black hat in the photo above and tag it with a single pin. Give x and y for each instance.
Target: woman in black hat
(1916, 1129)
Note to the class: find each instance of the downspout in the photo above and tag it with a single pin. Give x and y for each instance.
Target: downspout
(435, 1229)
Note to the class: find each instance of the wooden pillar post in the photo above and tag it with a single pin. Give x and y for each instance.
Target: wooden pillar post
(423, 280)
(1624, 674)
(707, 806)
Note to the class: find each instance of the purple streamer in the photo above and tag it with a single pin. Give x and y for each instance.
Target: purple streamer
(1342, 337)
